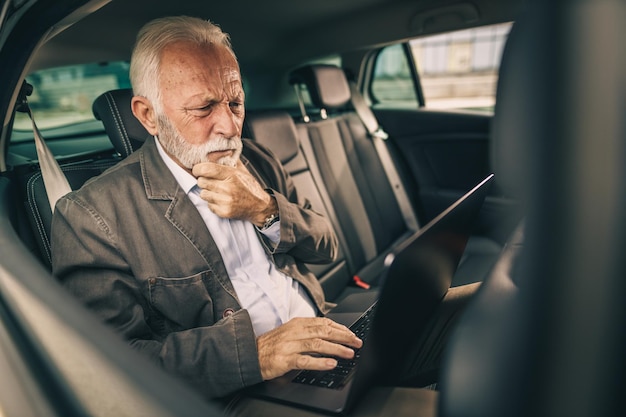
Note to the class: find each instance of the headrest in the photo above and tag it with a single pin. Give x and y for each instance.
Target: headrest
(126, 132)
(275, 130)
(327, 85)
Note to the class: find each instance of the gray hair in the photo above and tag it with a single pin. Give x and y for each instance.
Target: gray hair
(155, 36)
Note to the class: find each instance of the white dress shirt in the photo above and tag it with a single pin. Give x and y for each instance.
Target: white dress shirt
(271, 297)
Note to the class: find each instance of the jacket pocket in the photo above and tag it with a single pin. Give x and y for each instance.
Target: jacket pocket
(181, 303)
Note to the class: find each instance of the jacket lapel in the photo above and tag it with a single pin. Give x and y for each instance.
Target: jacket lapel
(161, 185)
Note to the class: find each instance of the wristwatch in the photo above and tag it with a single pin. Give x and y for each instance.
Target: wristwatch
(270, 220)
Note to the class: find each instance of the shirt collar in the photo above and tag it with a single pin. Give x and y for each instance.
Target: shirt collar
(186, 181)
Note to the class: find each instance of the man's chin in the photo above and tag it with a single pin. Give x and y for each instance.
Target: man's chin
(228, 161)
(230, 158)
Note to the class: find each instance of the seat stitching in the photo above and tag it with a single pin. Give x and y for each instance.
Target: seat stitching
(117, 118)
(37, 215)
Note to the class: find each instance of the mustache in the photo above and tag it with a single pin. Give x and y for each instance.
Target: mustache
(189, 154)
(223, 143)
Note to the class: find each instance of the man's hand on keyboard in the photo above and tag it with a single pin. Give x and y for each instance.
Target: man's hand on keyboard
(292, 346)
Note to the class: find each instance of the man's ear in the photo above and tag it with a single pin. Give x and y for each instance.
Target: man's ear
(144, 112)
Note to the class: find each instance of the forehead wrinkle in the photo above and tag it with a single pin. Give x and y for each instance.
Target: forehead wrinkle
(221, 91)
(212, 69)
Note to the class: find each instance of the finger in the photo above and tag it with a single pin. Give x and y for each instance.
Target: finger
(214, 183)
(241, 166)
(220, 204)
(325, 348)
(212, 196)
(329, 330)
(211, 170)
(326, 329)
(314, 364)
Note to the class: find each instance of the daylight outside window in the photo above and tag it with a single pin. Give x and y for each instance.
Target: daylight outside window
(63, 96)
(457, 70)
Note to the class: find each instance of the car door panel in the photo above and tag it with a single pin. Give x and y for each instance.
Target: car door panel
(447, 153)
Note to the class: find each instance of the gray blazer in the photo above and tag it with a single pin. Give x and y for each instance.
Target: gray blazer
(132, 246)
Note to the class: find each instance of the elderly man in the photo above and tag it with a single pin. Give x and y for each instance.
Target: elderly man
(193, 248)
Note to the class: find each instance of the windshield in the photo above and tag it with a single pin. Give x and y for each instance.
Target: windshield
(63, 96)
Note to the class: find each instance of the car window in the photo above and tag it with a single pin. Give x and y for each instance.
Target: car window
(456, 70)
(63, 96)
(392, 81)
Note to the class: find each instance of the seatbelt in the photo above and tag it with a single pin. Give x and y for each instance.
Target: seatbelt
(379, 136)
(54, 179)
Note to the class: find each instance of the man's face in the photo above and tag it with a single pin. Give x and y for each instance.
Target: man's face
(202, 105)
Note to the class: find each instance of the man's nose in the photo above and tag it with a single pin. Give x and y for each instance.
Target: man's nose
(226, 122)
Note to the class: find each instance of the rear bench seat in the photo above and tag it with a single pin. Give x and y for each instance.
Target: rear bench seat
(342, 156)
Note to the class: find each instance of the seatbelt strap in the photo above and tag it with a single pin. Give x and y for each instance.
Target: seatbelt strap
(379, 136)
(54, 179)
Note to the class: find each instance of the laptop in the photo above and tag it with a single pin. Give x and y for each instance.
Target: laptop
(415, 278)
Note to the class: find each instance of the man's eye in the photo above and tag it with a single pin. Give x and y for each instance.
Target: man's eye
(199, 111)
(236, 105)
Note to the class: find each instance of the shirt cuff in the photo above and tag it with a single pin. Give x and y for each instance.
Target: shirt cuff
(272, 232)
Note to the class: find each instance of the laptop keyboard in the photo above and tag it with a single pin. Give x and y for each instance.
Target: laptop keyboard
(338, 377)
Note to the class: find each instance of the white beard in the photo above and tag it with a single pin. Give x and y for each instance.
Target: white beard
(188, 154)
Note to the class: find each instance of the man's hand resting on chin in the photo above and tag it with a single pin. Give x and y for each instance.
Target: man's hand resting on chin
(233, 193)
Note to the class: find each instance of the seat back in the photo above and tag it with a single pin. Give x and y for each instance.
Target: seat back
(336, 140)
(276, 130)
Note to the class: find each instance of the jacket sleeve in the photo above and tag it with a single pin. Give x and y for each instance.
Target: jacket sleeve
(304, 233)
(217, 359)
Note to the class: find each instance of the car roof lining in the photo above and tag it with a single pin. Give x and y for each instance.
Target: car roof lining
(309, 30)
